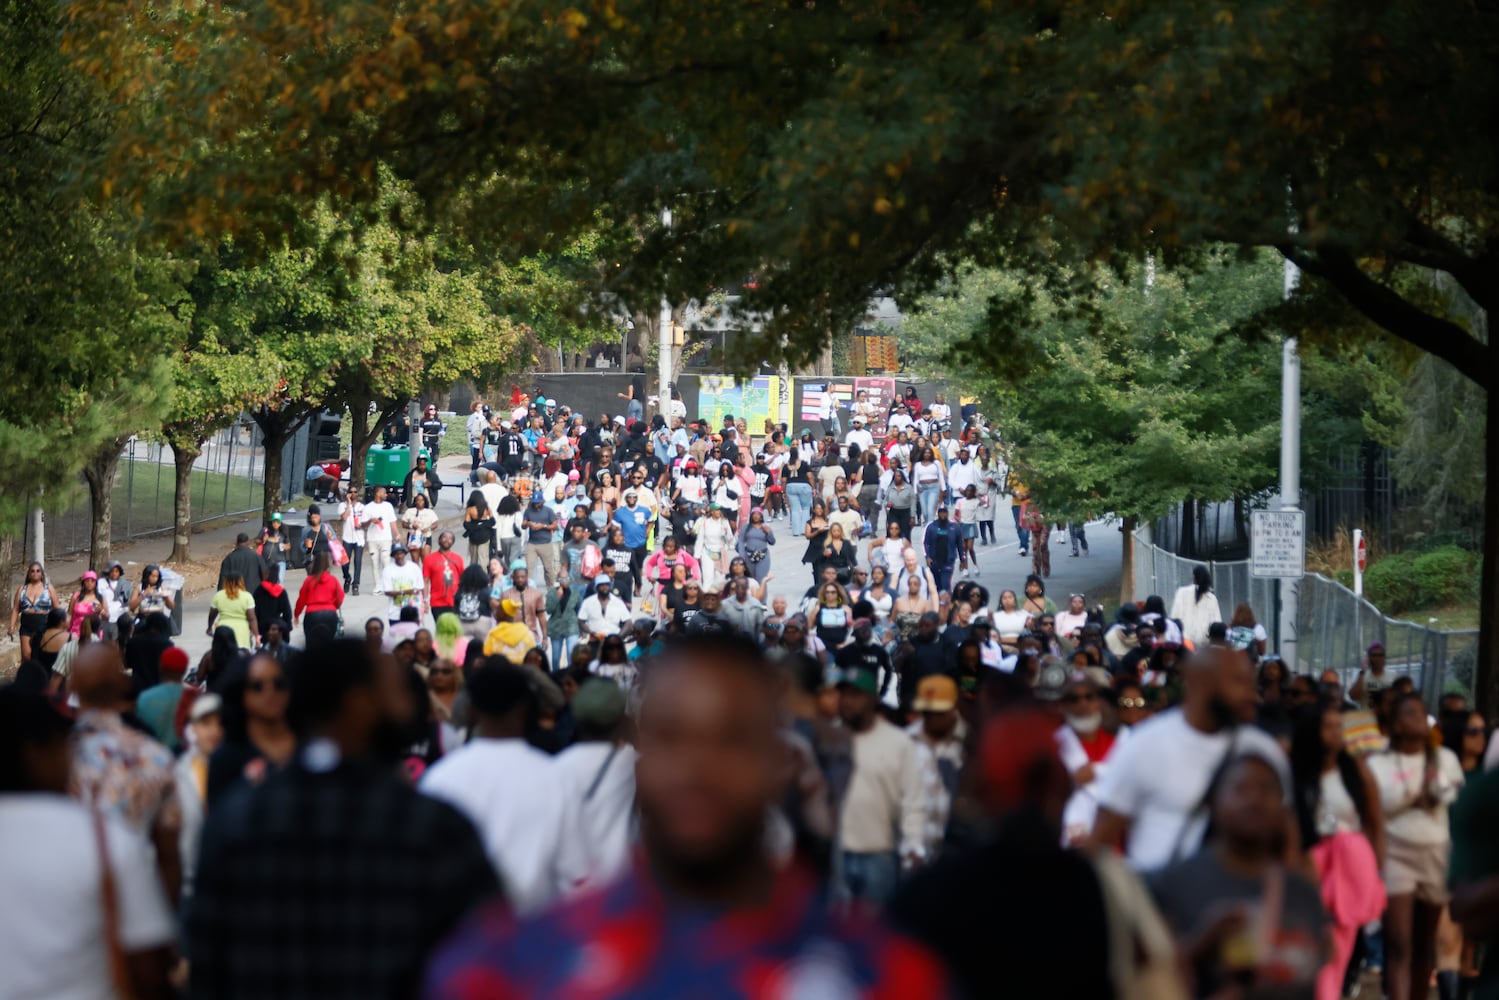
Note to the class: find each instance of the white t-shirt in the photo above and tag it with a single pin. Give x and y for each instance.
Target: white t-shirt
(52, 942)
(899, 420)
(1160, 776)
(353, 522)
(599, 792)
(1400, 778)
(385, 514)
(595, 616)
(407, 580)
(509, 791)
(860, 437)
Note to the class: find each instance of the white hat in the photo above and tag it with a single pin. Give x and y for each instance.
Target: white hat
(619, 420)
(204, 706)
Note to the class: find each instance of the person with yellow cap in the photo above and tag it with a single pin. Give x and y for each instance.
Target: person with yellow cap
(510, 637)
(940, 736)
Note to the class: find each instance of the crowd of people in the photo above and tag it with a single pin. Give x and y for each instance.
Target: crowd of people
(599, 754)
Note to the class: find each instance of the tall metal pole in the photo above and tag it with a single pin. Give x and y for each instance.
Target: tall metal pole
(38, 532)
(663, 339)
(1290, 473)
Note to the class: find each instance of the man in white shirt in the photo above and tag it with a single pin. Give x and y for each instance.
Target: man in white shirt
(1154, 797)
(859, 436)
(961, 474)
(863, 408)
(886, 796)
(379, 521)
(602, 614)
(492, 490)
(900, 420)
(595, 777)
(506, 788)
(402, 583)
(476, 425)
(849, 519)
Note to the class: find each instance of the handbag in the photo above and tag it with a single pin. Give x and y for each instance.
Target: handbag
(119, 971)
(337, 551)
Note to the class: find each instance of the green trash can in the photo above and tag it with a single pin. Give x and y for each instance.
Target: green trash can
(386, 467)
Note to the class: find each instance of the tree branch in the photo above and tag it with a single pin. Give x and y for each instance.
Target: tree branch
(1389, 310)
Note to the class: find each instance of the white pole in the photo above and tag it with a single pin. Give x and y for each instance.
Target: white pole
(38, 532)
(663, 341)
(1290, 473)
(1358, 571)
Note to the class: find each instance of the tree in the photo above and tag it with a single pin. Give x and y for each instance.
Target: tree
(88, 318)
(1128, 401)
(212, 386)
(833, 150)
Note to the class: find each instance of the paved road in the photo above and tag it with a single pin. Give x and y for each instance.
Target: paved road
(1000, 567)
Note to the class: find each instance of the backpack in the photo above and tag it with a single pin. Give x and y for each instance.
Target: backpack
(592, 561)
(470, 606)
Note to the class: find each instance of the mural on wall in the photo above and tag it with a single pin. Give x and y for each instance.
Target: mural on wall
(756, 399)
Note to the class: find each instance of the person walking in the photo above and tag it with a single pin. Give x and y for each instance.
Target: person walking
(942, 542)
(233, 607)
(351, 533)
(882, 826)
(540, 524)
(318, 603)
(441, 571)
(297, 894)
(506, 787)
(34, 599)
(379, 521)
(1196, 607)
(797, 481)
(1417, 781)
(711, 896)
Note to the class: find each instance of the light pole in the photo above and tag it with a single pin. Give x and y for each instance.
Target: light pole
(663, 341)
(1290, 472)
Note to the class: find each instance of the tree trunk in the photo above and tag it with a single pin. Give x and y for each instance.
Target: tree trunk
(1127, 560)
(100, 475)
(1186, 545)
(359, 431)
(8, 581)
(183, 457)
(1486, 670)
(273, 435)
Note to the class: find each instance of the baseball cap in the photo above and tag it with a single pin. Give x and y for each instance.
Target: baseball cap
(631, 495)
(535, 499)
(936, 693)
(599, 703)
(860, 679)
(174, 659)
(89, 574)
(573, 476)
(204, 706)
(518, 562)
(423, 454)
(1375, 647)
(509, 607)
(619, 420)
(690, 464)
(398, 547)
(276, 517)
(1052, 682)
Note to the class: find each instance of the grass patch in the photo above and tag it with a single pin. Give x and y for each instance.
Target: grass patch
(1458, 616)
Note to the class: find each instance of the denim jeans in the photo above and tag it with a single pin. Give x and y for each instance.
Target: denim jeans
(869, 877)
(562, 650)
(1020, 533)
(799, 496)
(929, 496)
(355, 564)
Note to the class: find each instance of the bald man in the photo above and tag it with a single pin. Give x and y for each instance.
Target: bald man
(118, 770)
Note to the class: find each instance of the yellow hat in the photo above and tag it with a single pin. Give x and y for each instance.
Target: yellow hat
(936, 693)
(509, 607)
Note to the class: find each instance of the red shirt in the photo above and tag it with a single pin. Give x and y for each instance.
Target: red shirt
(333, 469)
(320, 593)
(442, 589)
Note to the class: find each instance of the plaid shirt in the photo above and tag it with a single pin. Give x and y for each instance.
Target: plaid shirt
(327, 883)
(631, 942)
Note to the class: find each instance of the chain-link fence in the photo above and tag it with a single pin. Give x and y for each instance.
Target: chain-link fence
(1333, 627)
(226, 481)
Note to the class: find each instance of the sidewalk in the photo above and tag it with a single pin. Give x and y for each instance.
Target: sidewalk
(210, 545)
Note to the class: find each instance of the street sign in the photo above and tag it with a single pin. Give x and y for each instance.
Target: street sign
(1360, 562)
(1277, 544)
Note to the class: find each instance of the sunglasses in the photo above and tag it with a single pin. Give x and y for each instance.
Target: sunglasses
(258, 686)
(1131, 702)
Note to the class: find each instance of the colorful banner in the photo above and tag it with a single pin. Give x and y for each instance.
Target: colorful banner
(756, 400)
(881, 393)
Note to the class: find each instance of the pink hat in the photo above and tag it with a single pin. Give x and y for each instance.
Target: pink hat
(573, 476)
(89, 574)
